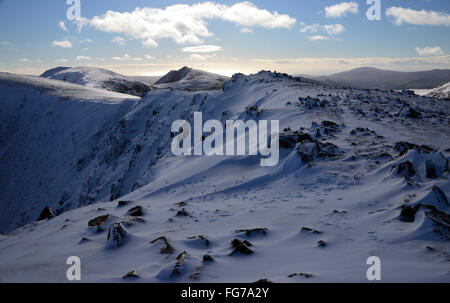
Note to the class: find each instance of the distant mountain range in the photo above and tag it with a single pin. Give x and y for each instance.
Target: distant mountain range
(368, 77)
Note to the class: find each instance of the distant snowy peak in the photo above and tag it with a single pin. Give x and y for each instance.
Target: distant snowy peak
(98, 78)
(191, 79)
(442, 92)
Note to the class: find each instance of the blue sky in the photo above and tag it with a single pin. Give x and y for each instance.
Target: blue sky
(294, 36)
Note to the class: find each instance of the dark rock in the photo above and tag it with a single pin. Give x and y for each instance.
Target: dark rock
(403, 147)
(123, 203)
(240, 247)
(310, 230)
(167, 249)
(135, 211)
(131, 274)
(330, 124)
(430, 169)
(182, 213)
(98, 221)
(290, 139)
(249, 232)
(302, 274)
(405, 169)
(321, 243)
(263, 282)
(179, 262)
(116, 234)
(207, 258)
(317, 149)
(46, 213)
(408, 213)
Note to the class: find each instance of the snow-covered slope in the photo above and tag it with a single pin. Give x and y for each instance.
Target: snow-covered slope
(48, 131)
(191, 79)
(98, 78)
(362, 173)
(442, 92)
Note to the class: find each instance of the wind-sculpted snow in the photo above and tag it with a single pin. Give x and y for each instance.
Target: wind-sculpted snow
(343, 189)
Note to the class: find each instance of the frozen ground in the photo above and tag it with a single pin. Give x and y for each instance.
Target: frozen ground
(362, 173)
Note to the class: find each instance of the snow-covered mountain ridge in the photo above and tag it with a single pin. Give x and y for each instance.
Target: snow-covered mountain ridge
(361, 173)
(98, 78)
(442, 92)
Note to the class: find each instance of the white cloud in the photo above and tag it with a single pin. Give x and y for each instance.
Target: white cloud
(62, 25)
(148, 57)
(311, 28)
(197, 57)
(334, 29)
(317, 38)
(330, 29)
(423, 17)
(246, 30)
(63, 44)
(25, 60)
(127, 57)
(429, 51)
(119, 41)
(341, 9)
(62, 60)
(202, 49)
(186, 23)
(80, 58)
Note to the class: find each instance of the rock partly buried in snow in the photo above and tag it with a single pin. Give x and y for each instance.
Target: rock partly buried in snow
(123, 203)
(301, 274)
(436, 207)
(182, 213)
(178, 264)
(116, 234)
(253, 231)
(46, 213)
(241, 247)
(403, 147)
(207, 258)
(191, 79)
(310, 230)
(135, 211)
(309, 151)
(167, 249)
(200, 240)
(131, 274)
(321, 243)
(289, 139)
(98, 78)
(404, 169)
(99, 222)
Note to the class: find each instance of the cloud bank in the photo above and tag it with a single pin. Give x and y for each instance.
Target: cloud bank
(186, 23)
(423, 17)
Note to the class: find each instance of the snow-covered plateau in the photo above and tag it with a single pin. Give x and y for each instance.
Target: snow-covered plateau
(361, 173)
